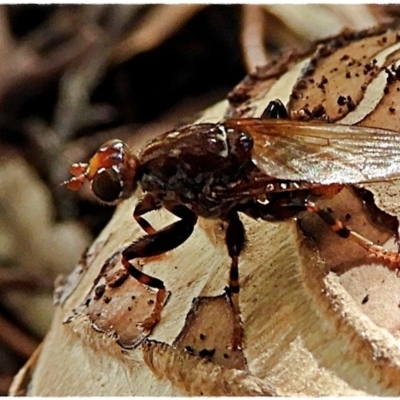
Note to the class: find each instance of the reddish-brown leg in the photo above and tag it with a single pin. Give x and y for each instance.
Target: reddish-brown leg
(146, 204)
(235, 236)
(283, 208)
(154, 244)
(390, 258)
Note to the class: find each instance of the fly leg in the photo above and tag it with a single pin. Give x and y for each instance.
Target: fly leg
(146, 204)
(156, 243)
(235, 237)
(283, 208)
(390, 258)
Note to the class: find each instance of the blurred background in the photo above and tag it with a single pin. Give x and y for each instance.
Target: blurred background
(74, 76)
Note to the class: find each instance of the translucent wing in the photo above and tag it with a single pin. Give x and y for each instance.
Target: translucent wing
(322, 153)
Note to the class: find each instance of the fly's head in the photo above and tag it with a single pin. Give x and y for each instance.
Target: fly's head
(112, 172)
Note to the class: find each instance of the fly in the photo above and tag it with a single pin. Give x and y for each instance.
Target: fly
(268, 168)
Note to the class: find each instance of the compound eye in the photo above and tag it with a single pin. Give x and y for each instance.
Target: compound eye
(106, 185)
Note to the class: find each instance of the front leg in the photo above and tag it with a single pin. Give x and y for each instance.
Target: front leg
(146, 204)
(154, 244)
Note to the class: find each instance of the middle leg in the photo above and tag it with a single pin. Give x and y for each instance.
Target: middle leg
(235, 237)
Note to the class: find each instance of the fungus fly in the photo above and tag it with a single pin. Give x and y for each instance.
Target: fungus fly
(268, 168)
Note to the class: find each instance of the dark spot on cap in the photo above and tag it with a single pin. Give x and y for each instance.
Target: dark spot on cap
(341, 100)
(99, 291)
(189, 349)
(206, 353)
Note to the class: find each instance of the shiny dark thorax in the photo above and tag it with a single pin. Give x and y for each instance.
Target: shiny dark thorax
(192, 165)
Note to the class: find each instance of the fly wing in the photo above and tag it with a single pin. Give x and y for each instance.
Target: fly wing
(322, 153)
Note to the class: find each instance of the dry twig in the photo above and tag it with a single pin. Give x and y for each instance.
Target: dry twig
(16, 339)
(159, 24)
(252, 37)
